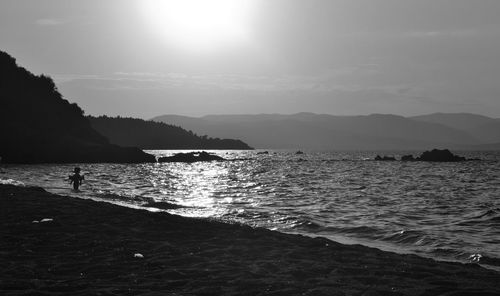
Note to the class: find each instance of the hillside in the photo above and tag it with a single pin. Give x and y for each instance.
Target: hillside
(37, 125)
(321, 131)
(154, 135)
(462, 121)
(485, 129)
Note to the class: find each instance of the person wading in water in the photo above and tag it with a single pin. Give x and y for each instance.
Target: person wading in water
(76, 179)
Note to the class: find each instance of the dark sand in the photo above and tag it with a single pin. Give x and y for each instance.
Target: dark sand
(89, 247)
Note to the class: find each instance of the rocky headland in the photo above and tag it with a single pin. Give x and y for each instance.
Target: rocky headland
(38, 125)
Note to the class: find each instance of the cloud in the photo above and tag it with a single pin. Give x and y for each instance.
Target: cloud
(49, 22)
(340, 79)
(62, 78)
(434, 34)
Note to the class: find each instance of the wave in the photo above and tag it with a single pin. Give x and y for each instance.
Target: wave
(307, 224)
(11, 182)
(408, 237)
(122, 198)
(488, 217)
(489, 261)
(163, 205)
(488, 213)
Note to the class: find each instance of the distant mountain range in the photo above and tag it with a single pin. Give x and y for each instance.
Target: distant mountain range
(484, 129)
(370, 132)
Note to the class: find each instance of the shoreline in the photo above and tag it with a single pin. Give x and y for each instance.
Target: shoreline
(91, 248)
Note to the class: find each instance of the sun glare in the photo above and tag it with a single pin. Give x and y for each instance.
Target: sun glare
(199, 25)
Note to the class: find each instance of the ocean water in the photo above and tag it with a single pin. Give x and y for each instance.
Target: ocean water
(445, 211)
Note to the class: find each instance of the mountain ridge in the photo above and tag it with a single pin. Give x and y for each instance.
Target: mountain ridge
(485, 128)
(325, 131)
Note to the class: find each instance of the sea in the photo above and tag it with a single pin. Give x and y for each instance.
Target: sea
(444, 211)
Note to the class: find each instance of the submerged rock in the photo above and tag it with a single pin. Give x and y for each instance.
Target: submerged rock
(191, 157)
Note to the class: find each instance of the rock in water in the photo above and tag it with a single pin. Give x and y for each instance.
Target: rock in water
(408, 157)
(437, 155)
(191, 157)
(384, 158)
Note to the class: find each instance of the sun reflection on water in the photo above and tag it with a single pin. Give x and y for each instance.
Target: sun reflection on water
(195, 187)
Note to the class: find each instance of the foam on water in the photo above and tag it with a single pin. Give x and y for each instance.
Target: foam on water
(11, 182)
(447, 211)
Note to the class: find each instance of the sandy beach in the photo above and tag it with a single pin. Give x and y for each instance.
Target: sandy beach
(58, 245)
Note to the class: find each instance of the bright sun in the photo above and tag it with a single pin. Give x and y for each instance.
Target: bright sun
(199, 25)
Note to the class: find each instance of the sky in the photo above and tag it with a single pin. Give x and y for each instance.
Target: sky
(145, 58)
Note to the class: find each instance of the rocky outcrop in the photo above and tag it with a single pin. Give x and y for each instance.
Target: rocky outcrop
(408, 157)
(435, 155)
(191, 157)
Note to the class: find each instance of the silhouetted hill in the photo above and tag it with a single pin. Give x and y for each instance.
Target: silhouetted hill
(37, 125)
(461, 121)
(485, 129)
(488, 132)
(156, 135)
(321, 131)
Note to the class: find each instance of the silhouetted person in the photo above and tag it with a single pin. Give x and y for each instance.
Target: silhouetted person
(76, 179)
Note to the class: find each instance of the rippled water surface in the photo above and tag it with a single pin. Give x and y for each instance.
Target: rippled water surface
(446, 211)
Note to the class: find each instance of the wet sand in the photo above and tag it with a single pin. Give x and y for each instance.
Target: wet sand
(92, 248)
